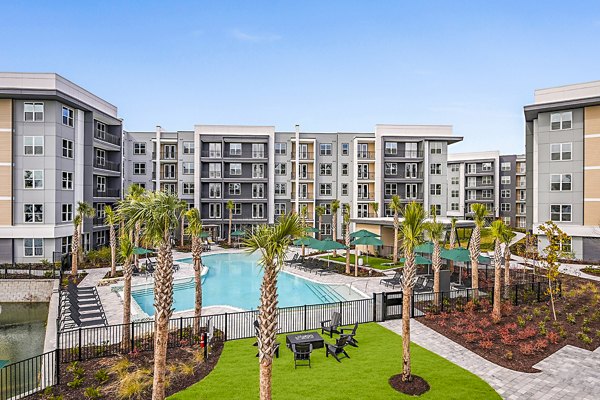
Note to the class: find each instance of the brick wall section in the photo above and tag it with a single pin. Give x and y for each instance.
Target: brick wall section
(25, 290)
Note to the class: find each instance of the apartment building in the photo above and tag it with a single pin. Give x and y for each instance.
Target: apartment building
(563, 165)
(59, 145)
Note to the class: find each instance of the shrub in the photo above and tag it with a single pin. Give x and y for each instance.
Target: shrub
(470, 307)
(562, 332)
(506, 308)
(101, 376)
(92, 393)
(508, 355)
(553, 337)
(526, 333)
(540, 344)
(542, 327)
(76, 382)
(121, 368)
(75, 369)
(484, 323)
(521, 321)
(571, 318)
(134, 384)
(584, 338)
(471, 337)
(527, 349)
(536, 312)
(486, 344)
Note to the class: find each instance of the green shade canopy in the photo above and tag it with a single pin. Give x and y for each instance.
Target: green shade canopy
(368, 241)
(426, 247)
(3, 363)
(238, 233)
(204, 234)
(141, 250)
(304, 241)
(461, 254)
(419, 260)
(363, 233)
(311, 229)
(326, 245)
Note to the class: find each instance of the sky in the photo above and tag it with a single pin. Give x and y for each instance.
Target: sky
(326, 65)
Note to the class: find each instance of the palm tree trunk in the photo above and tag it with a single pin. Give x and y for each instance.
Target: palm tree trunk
(334, 231)
(181, 239)
(136, 242)
(437, 265)
(496, 312)
(407, 289)
(230, 223)
(395, 256)
(320, 224)
(113, 251)
(127, 305)
(506, 272)
(347, 250)
(474, 249)
(197, 253)
(163, 303)
(74, 251)
(268, 328)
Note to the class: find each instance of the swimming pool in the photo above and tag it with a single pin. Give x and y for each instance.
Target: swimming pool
(234, 280)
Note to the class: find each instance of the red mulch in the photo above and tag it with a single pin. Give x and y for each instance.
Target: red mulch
(416, 387)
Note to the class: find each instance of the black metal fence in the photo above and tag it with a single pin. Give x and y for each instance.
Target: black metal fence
(24, 378)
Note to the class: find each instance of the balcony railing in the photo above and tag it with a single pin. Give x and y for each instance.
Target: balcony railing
(107, 193)
(107, 137)
(365, 155)
(366, 176)
(303, 196)
(245, 154)
(408, 199)
(98, 221)
(406, 154)
(366, 197)
(107, 165)
(479, 171)
(168, 155)
(304, 155)
(211, 175)
(306, 176)
(479, 198)
(164, 177)
(211, 154)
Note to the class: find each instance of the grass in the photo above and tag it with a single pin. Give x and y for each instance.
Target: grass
(487, 242)
(364, 375)
(374, 262)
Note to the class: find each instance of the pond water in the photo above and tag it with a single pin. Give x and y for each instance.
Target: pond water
(22, 330)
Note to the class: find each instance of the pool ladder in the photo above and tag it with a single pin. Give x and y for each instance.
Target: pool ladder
(325, 294)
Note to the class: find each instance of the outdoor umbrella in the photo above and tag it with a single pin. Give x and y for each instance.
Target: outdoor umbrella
(463, 256)
(238, 234)
(141, 250)
(304, 241)
(204, 234)
(368, 241)
(311, 229)
(426, 247)
(363, 233)
(419, 260)
(326, 245)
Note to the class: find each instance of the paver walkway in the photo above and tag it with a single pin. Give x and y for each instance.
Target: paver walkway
(570, 373)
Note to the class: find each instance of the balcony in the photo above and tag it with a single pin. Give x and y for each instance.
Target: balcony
(98, 221)
(164, 177)
(245, 154)
(410, 154)
(303, 196)
(168, 156)
(211, 154)
(107, 137)
(479, 171)
(366, 197)
(105, 193)
(211, 175)
(407, 199)
(365, 155)
(304, 155)
(411, 177)
(366, 176)
(479, 198)
(107, 165)
(306, 176)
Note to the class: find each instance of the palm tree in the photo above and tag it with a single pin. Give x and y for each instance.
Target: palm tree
(436, 232)
(375, 207)
(111, 218)
(347, 235)
(182, 230)
(507, 240)
(413, 228)
(126, 253)
(335, 206)
(272, 243)
(497, 230)
(194, 229)
(160, 213)
(134, 193)
(320, 210)
(479, 213)
(303, 214)
(396, 208)
(452, 232)
(230, 206)
(83, 210)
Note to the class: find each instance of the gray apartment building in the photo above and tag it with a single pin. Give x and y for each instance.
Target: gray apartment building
(563, 165)
(59, 145)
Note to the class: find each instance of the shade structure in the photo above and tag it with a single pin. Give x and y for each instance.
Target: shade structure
(304, 241)
(326, 245)
(363, 233)
(368, 241)
(204, 234)
(238, 233)
(461, 254)
(426, 247)
(419, 260)
(311, 229)
(141, 250)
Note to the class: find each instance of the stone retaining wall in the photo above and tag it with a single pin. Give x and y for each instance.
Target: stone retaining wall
(25, 290)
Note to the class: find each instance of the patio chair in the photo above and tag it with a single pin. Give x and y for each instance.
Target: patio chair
(302, 354)
(291, 260)
(428, 287)
(80, 289)
(350, 336)
(420, 283)
(150, 268)
(393, 282)
(136, 270)
(337, 349)
(331, 325)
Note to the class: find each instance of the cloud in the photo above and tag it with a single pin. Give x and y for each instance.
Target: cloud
(254, 38)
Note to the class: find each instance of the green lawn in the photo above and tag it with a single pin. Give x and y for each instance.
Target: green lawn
(487, 241)
(364, 375)
(374, 262)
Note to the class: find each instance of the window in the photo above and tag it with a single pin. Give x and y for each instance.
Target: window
(303, 191)
(169, 171)
(505, 166)
(67, 213)
(453, 206)
(65, 244)
(139, 168)
(100, 157)
(391, 168)
(437, 209)
(139, 148)
(455, 180)
(344, 189)
(471, 168)
(235, 189)
(505, 179)
(411, 190)
(280, 209)
(214, 170)
(435, 169)
(100, 212)
(237, 209)
(345, 149)
(487, 180)
(214, 210)
(258, 150)
(188, 147)
(521, 208)
(325, 169)
(362, 210)
(410, 170)
(169, 188)
(258, 210)
(410, 150)
(455, 167)
(187, 188)
(486, 194)
(214, 150)
(280, 149)
(141, 184)
(562, 120)
(363, 171)
(436, 147)
(258, 190)
(362, 150)
(33, 145)
(486, 166)
(33, 112)
(344, 169)
(505, 194)
(325, 149)
(560, 151)
(235, 169)
(506, 220)
(325, 229)
(522, 195)
(435, 189)
(100, 238)
(33, 247)
(560, 212)
(325, 189)
(391, 189)
(454, 193)
(566, 245)
(258, 170)
(471, 181)
(67, 148)
(188, 168)
(67, 116)
(560, 182)
(169, 152)
(326, 208)
(391, 148)
(280, 189)
(304, 172)
(67, 180)
(471, 195)
(363, 191)
(34, 179)
(101, 184)
(280, 169)
(522, 222)
(505, 207)
(33, 213)
(214, 190)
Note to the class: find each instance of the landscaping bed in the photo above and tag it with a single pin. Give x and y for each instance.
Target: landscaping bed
(528, 333)
(595, 271)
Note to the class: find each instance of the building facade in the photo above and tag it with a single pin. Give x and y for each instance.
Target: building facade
(563, 165)
(59, 145)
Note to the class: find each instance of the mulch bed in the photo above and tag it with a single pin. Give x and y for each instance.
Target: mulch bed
(119, 274)
(528, 333)
(416, 387)
(591, 271)
(177, 378)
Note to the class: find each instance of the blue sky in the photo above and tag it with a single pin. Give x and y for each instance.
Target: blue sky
(329, 66)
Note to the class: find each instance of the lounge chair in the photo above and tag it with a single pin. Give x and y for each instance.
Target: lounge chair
(292, 260)
(331, 325)
(302, 353)
(393, 282)
(337, 349)
(420, 283)
(428, 287)
(136, 270)
(350, 335)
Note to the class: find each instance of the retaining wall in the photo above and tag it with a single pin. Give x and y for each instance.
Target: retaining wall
(25, 290)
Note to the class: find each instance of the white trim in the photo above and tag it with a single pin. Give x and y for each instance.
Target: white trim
(5, 198)
(41, 231)
(591, 168)
(592, 135)
(5, 130)
(6, 164)
(591, 199)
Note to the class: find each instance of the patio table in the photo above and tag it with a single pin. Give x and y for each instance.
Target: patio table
(308, 337)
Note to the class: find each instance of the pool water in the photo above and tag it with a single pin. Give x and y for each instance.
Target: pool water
(234, 279)
(22, 330)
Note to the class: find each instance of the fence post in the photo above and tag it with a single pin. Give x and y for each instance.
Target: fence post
(559, 288)
(180, 329)
(204, 339)
(225, 333)
(132, 336)
(442, 302)
(374, 307)
(538, 291)
(305, 317)
(492, 293)
(516, 295)
(383, 307)
(412, 305)
(341, 315)
(79, 351)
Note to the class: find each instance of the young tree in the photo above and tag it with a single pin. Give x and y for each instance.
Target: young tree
(126, 252)
(480, 212)
(507, 239)
(551, 256)
(303, 215)
(375, 207)
(182, 231)
(436, 232)
(498, 231)
(194, 229)
(272, 243)
(230, 207)
(135, 193)
(83, 210)
(335, 206)
(396, 208)
(320, 210)
(111, 218)
(347, 236)
(452, 232)
(412, 235)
